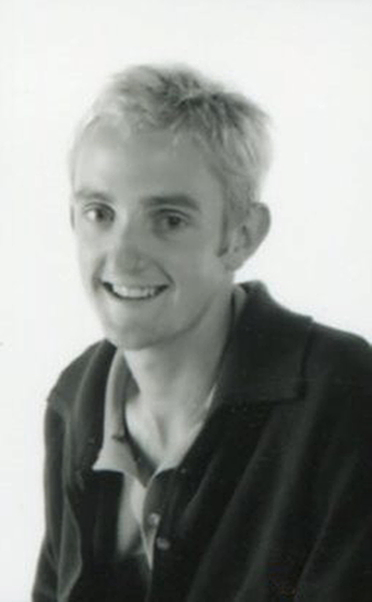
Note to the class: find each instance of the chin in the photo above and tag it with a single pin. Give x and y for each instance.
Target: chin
(128, 340)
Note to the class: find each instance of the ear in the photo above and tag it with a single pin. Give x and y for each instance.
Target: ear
(245, 238)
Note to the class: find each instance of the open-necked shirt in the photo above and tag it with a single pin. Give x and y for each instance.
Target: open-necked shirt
(142, 497)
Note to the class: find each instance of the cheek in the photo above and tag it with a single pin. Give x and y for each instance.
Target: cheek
(200, 265)
(88, 259)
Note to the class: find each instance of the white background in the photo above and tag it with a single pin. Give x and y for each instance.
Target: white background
(308, 63)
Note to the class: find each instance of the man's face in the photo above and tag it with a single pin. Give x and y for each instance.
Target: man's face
(148, 218)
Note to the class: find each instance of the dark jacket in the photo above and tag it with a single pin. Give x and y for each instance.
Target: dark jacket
(273, 502)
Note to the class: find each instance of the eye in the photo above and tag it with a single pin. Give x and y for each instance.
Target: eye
(98, 214)
(167, 221)
(173, 221)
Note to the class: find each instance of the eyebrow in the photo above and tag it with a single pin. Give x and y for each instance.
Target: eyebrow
(181, 200)
(88, 193)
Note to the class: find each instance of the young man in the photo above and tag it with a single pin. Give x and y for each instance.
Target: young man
(215, 446)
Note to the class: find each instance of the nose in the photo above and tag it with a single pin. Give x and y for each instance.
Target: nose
(126, 252)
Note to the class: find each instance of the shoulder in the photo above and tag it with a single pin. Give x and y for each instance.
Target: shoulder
(337, 388)
(338, 356)
(281, 352)
(320, 350)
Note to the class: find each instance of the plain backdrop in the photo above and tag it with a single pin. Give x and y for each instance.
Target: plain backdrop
(307, 62)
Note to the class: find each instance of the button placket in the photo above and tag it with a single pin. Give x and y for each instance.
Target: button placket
(163, 544)
(151, 515)
(153, 520)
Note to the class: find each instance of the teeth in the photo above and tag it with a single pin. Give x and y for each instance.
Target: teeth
(140, 292)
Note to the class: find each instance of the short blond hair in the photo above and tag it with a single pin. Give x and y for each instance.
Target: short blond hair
(232, 129)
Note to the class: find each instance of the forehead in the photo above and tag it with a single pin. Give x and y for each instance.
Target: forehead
(149, 162)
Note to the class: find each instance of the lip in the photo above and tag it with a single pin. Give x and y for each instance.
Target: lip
(133, 294)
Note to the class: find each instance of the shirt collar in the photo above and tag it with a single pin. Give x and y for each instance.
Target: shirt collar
(116, 453)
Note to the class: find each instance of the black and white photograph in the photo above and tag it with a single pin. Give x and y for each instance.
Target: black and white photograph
(186, 310)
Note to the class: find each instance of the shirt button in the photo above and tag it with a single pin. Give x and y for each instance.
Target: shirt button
(163, 544)
(153, 519)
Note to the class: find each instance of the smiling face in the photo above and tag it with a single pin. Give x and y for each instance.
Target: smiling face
(148, 217)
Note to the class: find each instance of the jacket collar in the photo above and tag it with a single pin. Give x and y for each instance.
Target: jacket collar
(87, 413)
(266, 354)
(263, 362)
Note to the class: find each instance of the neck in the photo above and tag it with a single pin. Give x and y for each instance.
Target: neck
(174, 378)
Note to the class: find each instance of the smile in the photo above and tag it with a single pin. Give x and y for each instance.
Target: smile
(133, 293)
